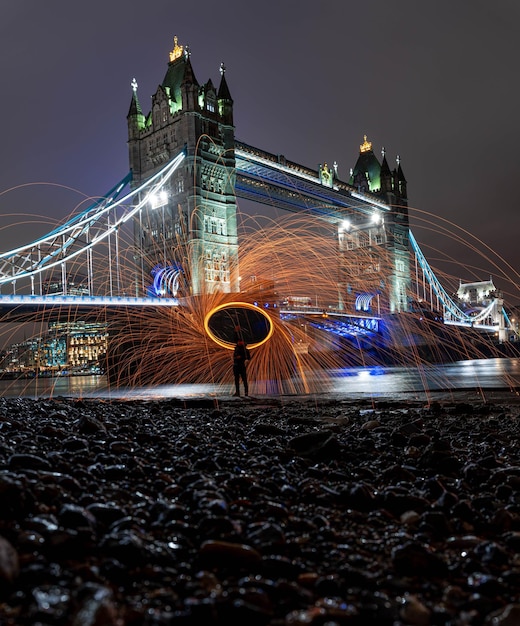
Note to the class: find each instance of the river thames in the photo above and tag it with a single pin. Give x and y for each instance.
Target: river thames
(473, 380)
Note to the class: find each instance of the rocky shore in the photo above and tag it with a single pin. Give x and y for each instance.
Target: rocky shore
(289, 512)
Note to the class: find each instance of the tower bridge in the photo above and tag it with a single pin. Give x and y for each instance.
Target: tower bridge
(169, 230)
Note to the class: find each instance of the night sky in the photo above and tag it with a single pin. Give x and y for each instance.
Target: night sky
(433, 83)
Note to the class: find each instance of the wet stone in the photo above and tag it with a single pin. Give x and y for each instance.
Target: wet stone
(302, 512)
(9, 562)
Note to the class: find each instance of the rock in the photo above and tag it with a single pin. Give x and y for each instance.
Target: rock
(129, 512)
(9, 562)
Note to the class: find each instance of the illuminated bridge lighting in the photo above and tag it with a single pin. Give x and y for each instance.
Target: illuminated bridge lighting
(90, 301)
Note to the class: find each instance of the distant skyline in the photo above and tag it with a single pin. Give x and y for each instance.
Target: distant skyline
(434, 84)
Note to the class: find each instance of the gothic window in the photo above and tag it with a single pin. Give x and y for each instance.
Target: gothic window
(208, 265)
(223, 268)
(216, 267)
(180, 185)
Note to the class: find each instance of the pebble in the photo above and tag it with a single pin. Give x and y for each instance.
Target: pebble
(147, 513)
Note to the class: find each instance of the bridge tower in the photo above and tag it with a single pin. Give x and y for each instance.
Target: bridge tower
(375, 179)
(186, 236)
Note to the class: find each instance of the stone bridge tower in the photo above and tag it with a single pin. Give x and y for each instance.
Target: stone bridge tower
(186, 237)
(392, 280)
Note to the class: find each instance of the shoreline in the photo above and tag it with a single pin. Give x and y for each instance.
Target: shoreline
(493, 395)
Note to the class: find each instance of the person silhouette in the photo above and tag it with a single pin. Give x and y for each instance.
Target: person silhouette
(241, 356)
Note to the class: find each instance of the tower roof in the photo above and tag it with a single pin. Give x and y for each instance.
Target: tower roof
(135, 107)
(368, 165)
(400, 174)
(135, 116)
(385, 168)
(179, 71)
(223, 90)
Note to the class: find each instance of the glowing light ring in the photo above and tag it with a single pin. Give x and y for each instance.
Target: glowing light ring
(239, 305)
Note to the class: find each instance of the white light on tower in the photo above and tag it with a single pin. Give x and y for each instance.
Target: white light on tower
(159, 199)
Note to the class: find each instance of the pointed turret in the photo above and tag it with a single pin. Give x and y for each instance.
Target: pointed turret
(225, 101)
(135, 122)
(401, 182)
(135, 115)
(223, 90)
(386, 175)
(189, 86)
(189, 74)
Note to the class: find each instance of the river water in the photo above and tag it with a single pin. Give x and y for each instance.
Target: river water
(476, 380)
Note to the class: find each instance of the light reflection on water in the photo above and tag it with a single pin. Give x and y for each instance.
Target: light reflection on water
(476, 374)
(478, 379)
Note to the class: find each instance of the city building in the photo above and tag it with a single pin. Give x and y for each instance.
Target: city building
(65, 348)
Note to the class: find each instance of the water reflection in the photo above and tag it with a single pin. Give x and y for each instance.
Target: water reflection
(485, 374)
(480, 378)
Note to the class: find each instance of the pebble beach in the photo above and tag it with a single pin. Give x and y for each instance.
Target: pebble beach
(283, 512)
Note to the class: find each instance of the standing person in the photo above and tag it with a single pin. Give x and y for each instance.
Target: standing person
(241, 356)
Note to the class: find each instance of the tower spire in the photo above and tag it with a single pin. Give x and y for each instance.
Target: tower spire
(223, 90)
(135, 112)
